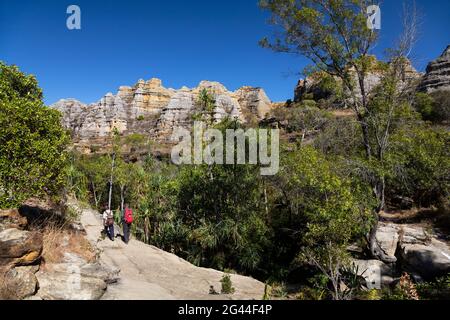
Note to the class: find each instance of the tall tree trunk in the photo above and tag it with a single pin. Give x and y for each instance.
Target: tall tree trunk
(111, 181)
(94, 192)
(366, 135)
(122, 197)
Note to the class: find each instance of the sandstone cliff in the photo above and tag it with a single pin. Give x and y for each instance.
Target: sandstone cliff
(150, 109)
(438, 74)
(313, 86)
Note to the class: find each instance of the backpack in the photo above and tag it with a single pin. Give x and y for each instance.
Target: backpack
(109, 221)
(128, 217)
(109, 218)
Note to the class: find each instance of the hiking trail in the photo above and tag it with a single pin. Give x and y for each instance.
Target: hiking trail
(148, 273)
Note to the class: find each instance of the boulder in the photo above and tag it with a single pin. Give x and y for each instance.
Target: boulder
(11, 219)
(75, 280)
(18, 247)
(69, 285)
(387, 236)
(427, 260)
(376, 273)
(21, 281)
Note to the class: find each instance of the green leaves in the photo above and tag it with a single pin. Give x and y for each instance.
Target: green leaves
(332, 33)
(32, 141)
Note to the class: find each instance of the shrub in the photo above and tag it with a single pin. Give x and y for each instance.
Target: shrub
(436, 290)
(32, 141)
(227, 285)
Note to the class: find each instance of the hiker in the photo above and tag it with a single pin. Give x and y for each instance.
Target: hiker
(127, 220)
(108, 222)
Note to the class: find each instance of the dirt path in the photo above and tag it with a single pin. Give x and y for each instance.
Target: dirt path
(148, 273)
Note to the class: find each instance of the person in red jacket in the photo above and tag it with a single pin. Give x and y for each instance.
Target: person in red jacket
(127, 220)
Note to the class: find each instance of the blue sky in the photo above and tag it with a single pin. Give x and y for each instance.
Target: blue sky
(180, 41)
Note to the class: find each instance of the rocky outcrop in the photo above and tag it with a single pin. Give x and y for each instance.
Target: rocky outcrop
(437, 75)
(150, 109)
(419, 249)
(68, 285)
(376, 273)
(19, 247)
(74, 280)
(312, 89)
(21, 282)
(23, 277)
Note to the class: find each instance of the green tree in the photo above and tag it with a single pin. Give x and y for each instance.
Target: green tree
(96, 169)
(334, 35)
(207, 104)
(32, 141)
(326, 213)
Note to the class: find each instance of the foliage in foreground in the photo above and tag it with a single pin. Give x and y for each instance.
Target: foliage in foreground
(32, 141)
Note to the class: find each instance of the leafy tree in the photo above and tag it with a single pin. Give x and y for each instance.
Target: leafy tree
(207, 104)
(419, 163)
(424, 105)
(434, 107)
(77, 183)
(326, 213)
(32, 141)
(125, 178)
(334, 35)
(302, 118)
(96, 170)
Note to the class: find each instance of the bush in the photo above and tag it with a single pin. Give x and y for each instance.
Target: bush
(436, 290)
(419, 165)
(441, 107)
(32, 141)
(424, 104)
(227, 285)
(434, 107)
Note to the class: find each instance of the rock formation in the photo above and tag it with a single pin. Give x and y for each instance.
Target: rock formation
(150, 109)
(24, 273)
(420, 252)
(437, 75)
(409, 76)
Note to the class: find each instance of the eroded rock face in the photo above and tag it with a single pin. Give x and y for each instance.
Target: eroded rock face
(149, 108)
(408, 75)
(437, 76)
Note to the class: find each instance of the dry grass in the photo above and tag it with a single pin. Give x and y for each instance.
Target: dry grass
(59, 239)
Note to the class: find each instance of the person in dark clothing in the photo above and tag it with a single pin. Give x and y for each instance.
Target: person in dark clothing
(108, 222)
(127, 220)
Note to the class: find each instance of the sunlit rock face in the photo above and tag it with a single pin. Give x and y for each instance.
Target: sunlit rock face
(437, 76)
(311, 86)
(150, 109)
